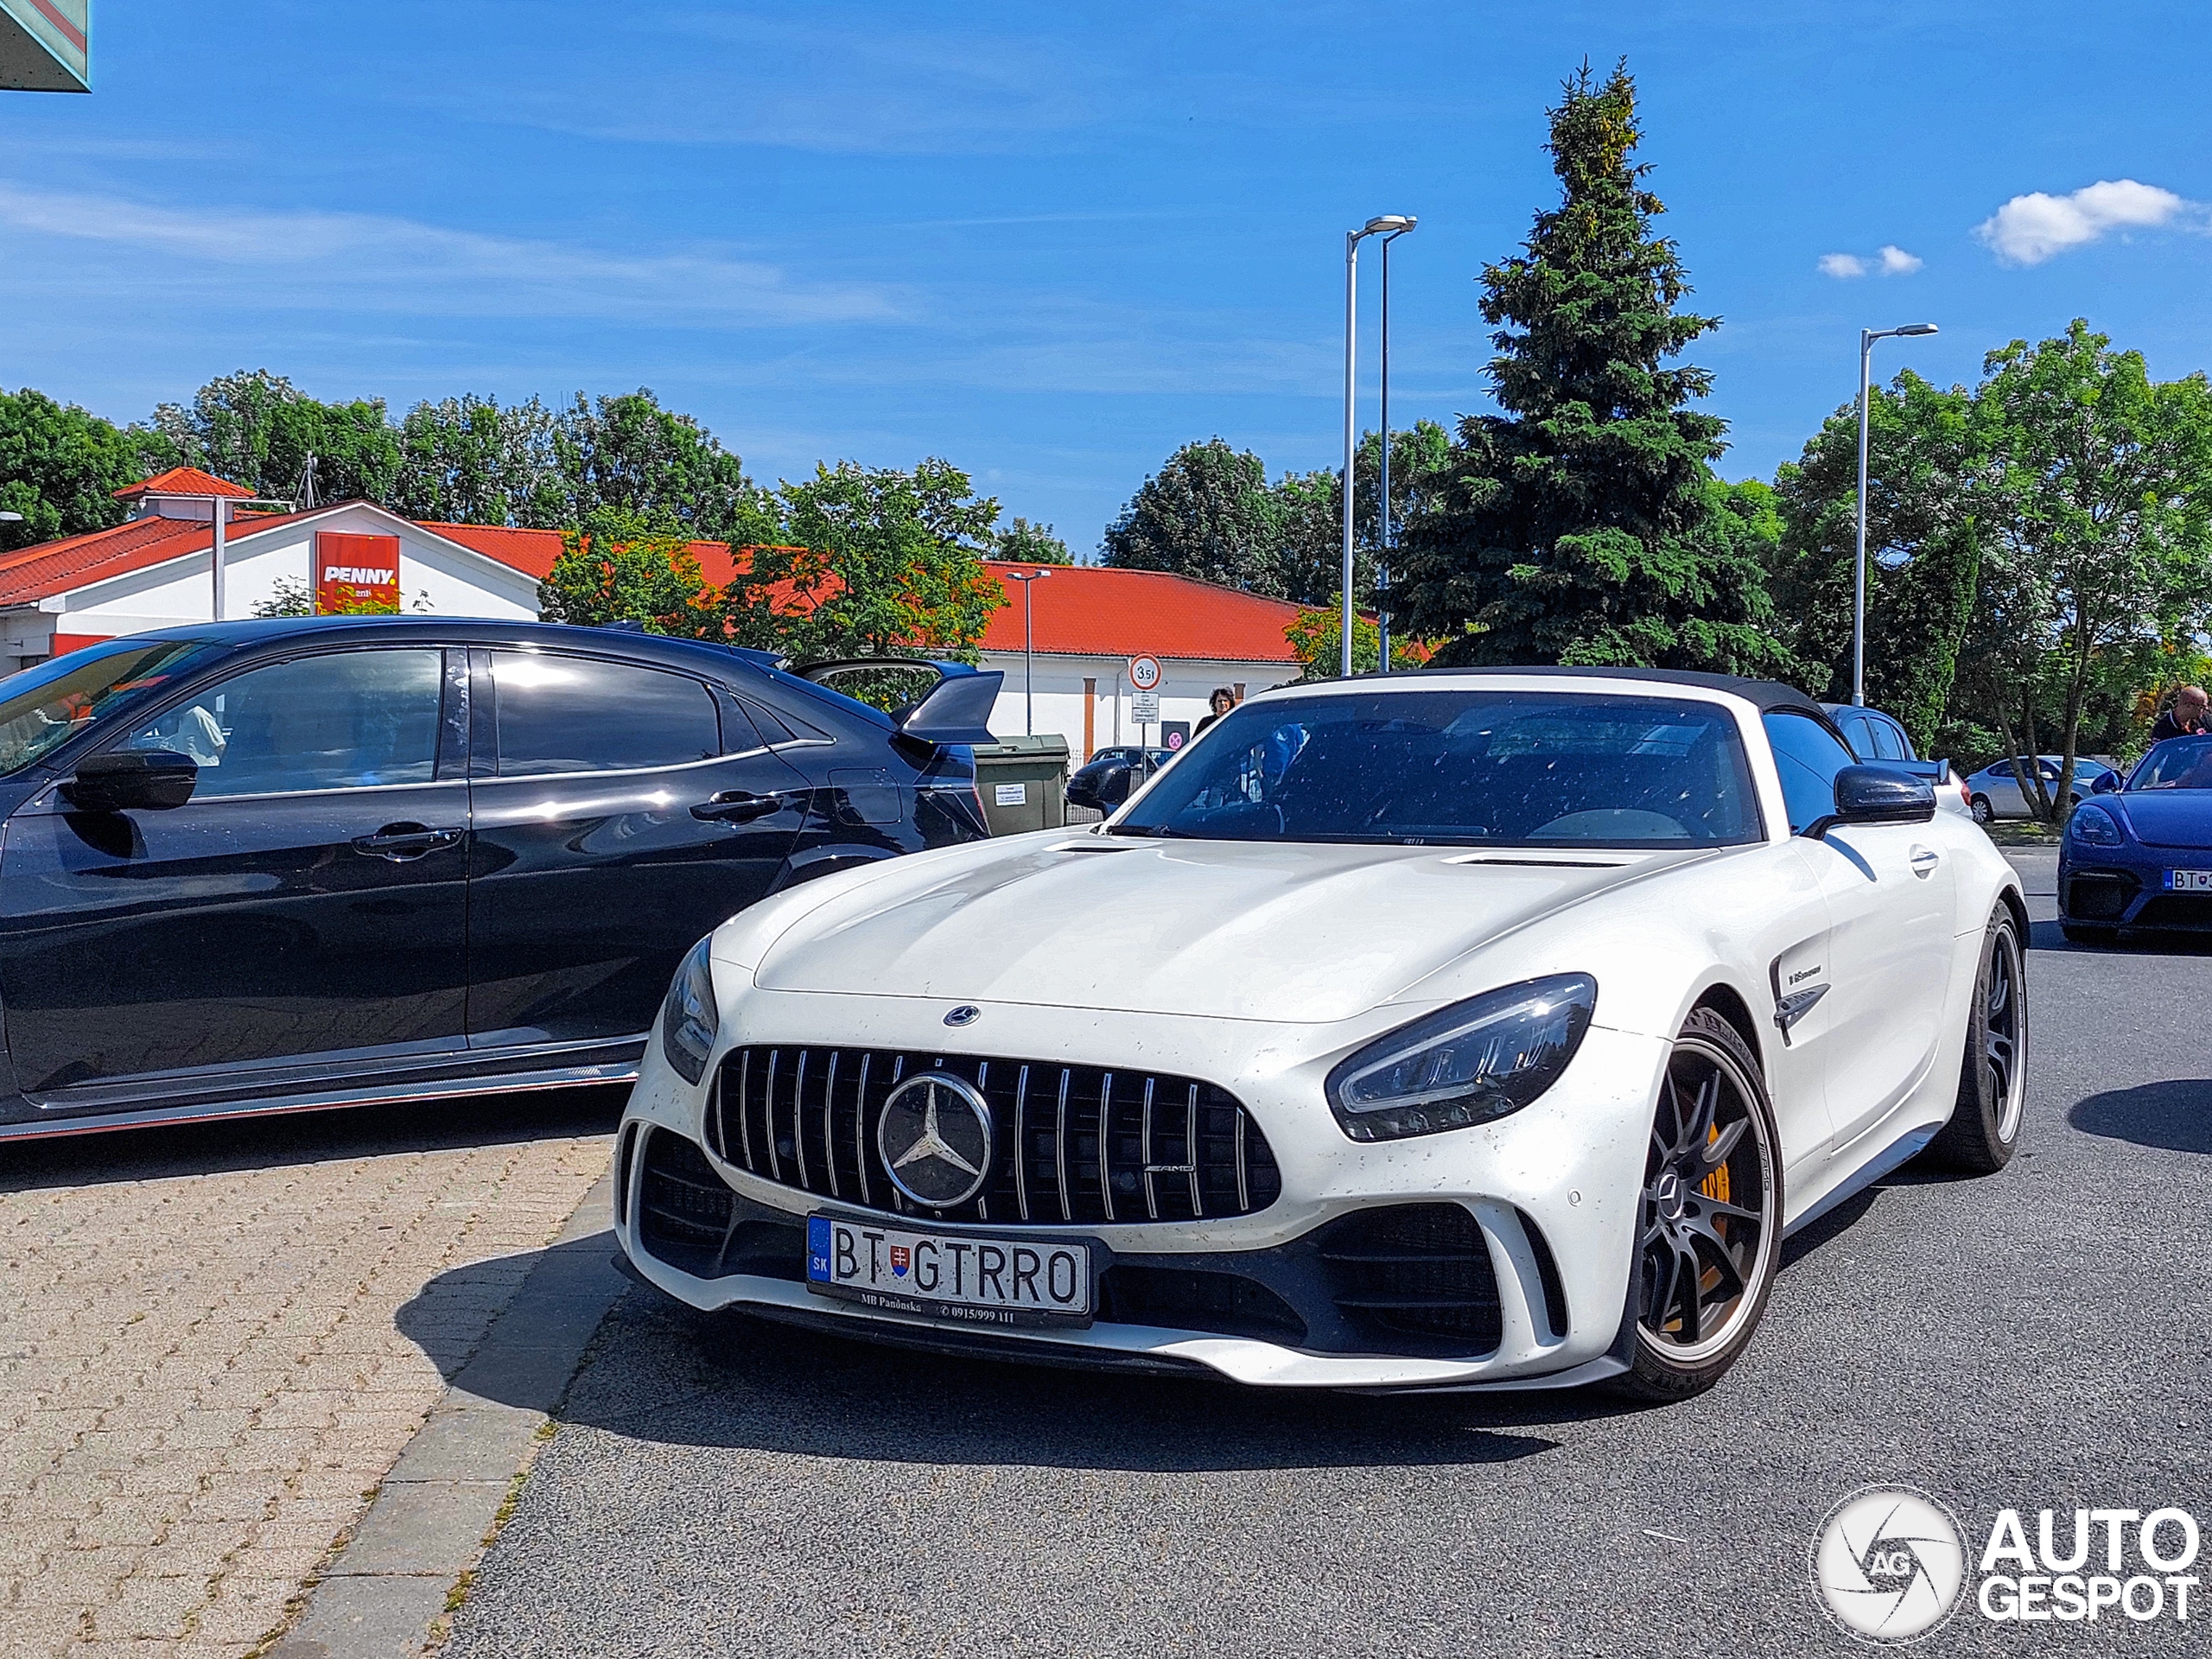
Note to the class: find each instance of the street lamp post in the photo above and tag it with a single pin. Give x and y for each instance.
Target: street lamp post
(1382, 225)
(1028, 645)
(1382, 540)
(1867, 339)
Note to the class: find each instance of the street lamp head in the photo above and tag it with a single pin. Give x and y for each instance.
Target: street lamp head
(1915, 328)
(1388, 223)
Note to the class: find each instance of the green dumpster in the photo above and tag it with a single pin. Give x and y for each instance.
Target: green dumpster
(1023, 781)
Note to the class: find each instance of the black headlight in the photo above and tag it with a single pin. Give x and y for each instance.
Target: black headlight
(689, 1018)
(1467, 1064)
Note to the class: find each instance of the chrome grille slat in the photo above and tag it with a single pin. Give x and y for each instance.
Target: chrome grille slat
(1191, 1154)
(798, 1117)
(768, 1117)
(1105, 1150)
(1144, 1152)
(829, 1129)
(1112, 1133)
(1021, 1146)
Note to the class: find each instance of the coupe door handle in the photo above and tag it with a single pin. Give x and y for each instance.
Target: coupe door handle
(401, 842)
(739, 806)
(1924, 861)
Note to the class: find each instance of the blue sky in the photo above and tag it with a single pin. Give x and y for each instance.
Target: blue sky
(1051, 242)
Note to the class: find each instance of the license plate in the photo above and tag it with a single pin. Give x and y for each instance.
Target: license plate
(955, 1276)
(2188, 880)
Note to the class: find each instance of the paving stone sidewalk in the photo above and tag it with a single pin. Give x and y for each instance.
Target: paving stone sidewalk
(215, 1342)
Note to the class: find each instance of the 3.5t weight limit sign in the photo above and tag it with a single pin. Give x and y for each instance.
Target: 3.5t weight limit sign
(1144, 673)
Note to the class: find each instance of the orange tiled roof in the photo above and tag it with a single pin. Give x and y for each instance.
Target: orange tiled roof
(30, 574)
(1086, 610)
(185, 480)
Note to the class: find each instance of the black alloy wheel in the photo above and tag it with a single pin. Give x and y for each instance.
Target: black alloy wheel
(1984, 1128)
(1709, 1226)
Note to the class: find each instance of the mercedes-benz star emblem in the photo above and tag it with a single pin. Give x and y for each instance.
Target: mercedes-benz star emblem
(935, 1140)
(966, 1014)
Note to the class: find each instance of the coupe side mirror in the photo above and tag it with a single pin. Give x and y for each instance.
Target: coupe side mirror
(1117, 786)
(2104, 783)
(132, 780)
(1877, 795)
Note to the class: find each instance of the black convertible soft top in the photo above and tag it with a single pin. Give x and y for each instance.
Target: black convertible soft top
(1763, 694)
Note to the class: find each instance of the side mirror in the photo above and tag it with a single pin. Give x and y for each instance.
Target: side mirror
(2104, 783)
(1117, 786)
(1877, 795)
(132, 780)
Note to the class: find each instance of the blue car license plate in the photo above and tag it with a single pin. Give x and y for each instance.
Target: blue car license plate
(2188, 880)
(957, 1276)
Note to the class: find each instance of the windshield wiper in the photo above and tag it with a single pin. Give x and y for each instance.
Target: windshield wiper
(1156, 831)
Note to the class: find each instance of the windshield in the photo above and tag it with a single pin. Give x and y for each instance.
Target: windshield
(42, 707)
(2177, 763)
(1481, 769)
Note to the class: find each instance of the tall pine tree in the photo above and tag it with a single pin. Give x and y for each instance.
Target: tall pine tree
(1580, 525)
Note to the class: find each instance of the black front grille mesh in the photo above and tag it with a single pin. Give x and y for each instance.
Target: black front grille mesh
(1075, 1145)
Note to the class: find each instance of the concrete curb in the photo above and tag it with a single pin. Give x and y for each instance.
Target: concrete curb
(433, 1512)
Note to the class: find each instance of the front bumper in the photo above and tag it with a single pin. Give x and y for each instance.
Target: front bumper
(2109, 893)
(1529, 1221)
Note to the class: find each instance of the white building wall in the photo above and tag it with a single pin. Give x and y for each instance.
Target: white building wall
(1184, 686)
(435, 578)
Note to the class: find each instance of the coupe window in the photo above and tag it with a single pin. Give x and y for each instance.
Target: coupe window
(42, 707)
(2177, 763)
(1483, 768)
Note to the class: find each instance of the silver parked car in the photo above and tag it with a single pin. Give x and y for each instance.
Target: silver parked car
(1995, 791)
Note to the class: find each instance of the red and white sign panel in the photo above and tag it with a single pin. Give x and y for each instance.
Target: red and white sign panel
(1144, 672)
(356, 575)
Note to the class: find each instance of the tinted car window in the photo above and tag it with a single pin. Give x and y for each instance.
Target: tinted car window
(582, 714)
(1480, 767)
(42, 707)
(1808, 757)
(1889, 744)
(346, 719)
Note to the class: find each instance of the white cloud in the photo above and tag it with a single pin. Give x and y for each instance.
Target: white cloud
(1896, 261)
(2028, 230)
(1842, 265)
(379, 263)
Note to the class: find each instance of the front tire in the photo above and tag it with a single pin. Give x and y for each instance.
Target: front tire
(1709, 1227)
(1984, 1128)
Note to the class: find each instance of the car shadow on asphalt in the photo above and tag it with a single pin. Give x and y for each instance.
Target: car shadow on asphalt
(661, 1372)
(2176, 1115)
(222, 1144)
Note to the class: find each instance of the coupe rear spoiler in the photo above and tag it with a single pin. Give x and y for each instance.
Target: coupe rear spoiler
(955, 710)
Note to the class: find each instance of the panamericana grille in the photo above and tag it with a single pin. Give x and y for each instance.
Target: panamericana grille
(1073, 1145)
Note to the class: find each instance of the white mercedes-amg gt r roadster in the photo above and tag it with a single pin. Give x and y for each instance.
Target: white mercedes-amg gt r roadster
(1425, 1031)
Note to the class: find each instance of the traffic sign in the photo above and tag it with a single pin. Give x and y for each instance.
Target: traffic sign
(1144, 708)
(1144, 673)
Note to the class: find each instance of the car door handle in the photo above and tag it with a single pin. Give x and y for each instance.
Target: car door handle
(1924, 861)
(401, 842)
(739, 806)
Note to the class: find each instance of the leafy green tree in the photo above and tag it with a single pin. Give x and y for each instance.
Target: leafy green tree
(879, 564)
(1310, 506)
(1207, 512)
(467, 461)
(1925, 464)
(2099, 520)
(60, 466)
(257, 429)
(620, 567)
(1577, 527)
(1027, 544)
(1317, 636)
(629, 455)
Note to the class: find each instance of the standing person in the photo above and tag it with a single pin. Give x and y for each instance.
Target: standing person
(1224, 699)
(2184, 717)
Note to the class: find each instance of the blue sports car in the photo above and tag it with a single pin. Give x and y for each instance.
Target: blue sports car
(2139, 853)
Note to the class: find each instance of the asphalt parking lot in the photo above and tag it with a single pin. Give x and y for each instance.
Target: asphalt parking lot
(2038, 1338)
